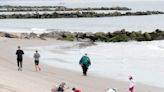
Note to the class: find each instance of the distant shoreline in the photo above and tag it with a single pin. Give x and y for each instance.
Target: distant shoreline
(9, 8)
(64, 12)
(76, 15)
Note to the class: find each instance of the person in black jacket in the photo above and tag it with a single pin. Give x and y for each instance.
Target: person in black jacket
(19, 54)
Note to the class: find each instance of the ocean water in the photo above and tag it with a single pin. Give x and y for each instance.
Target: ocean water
(106, 24)
(142, 60)
(134, 4)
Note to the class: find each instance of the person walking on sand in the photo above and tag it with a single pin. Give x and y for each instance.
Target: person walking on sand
(132, 83)
(19, 54)
(85, 63)
(36, 60)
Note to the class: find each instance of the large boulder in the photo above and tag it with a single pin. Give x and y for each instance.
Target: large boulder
(8, 35)
(2, 34)
(33, 35)
(159, 31)
(68, 36)
(79, 34)
(55, 35)
(24, 36)
(66, 33)
(90, 35)
(101, 36)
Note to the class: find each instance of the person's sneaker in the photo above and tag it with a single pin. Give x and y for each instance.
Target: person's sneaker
(84, 74)
(18, 69)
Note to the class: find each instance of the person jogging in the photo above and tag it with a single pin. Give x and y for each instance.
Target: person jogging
(19, 54)
(36, 60)
(85, 63)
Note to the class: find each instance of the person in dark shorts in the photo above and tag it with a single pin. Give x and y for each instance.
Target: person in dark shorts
(19, 54)
(36, 60)
(85, 63)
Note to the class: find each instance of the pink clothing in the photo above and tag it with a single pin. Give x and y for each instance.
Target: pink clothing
(131, 86)
(131, 89)
(77, 90)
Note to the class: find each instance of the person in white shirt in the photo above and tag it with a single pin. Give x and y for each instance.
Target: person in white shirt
(131, 84)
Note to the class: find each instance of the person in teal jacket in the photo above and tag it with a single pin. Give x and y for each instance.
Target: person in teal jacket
(85, 63)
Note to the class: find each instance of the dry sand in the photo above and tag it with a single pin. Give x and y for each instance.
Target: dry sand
(28, 80)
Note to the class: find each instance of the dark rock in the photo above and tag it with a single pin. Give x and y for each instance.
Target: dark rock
(79, 35)
(123, 31)
(24, 36)
(8, 35)
(68, 36)
(2, 34)
(55, 35)
(158, 31)
(33, 35)
(89, 34)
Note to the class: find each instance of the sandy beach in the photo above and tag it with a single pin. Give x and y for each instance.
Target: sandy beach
(29, 80)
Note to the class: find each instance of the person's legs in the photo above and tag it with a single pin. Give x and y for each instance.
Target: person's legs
(83, 67)
(60, 89)
(131, 89)
(86, 69)
(38, 66)
(18, 64)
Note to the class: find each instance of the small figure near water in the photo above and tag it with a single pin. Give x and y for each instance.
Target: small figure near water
(19, 54)
(85, 63)
(36, 60)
